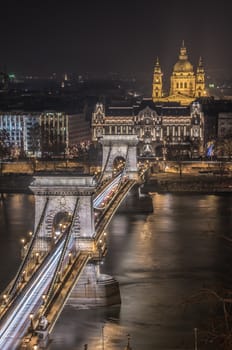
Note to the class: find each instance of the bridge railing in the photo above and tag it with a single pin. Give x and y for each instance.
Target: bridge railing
(108, 212)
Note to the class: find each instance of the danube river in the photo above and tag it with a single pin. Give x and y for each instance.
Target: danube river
(160, 259)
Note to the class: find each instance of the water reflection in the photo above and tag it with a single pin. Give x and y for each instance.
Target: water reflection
(16, 220)
(159, 259)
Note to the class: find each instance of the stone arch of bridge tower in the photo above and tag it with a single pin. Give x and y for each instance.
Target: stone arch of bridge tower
(59, 193)
(57, 206)
(119, 163)
(118, 152)
(55, 222)
(125, 149)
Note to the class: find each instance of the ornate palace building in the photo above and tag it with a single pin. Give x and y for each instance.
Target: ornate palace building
(167, 131)
(185, 85)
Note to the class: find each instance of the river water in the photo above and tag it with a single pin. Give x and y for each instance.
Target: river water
(160, 259)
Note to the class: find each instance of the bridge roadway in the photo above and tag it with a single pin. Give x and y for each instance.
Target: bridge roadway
(15, 324)
(16, 321)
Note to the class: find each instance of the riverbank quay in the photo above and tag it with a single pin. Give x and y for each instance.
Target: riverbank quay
(163, 177)
(15, 177)
(174, 183)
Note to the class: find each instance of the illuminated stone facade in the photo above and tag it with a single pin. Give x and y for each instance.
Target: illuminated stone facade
(118, 137)
(161, 130)
(185, 84)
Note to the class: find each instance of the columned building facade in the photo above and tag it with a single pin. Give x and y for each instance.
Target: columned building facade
(163, 130)
(44, 132)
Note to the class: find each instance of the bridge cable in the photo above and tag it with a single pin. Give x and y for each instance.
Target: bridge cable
(127, 152)
(29, 250)
(105, 166)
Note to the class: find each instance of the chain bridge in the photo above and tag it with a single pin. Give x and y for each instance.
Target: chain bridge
(60, 262)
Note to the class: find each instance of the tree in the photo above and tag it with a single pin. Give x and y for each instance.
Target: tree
(35, 138)
(4, 144)
(219, 331)
(224, 147)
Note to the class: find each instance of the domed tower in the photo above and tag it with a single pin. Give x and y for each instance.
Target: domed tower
(200, 80)
(157, 88)
(183, 77)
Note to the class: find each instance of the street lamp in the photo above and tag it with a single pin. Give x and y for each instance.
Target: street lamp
(24, 276)
(24, 247)
(99, 258)
(5, 299)
(103, 343)
(37, 258)
(128, 342)
(195, 338)
(70, 258)
(31, 322)
(44, 298)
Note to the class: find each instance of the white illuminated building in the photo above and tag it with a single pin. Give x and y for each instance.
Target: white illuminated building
(161, 128)
(31, 132)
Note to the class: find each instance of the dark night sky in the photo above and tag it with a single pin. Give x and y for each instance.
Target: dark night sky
(41, 37)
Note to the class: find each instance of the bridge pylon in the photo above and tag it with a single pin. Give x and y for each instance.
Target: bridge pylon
(115, 146)
(119, 138)
(62, 193)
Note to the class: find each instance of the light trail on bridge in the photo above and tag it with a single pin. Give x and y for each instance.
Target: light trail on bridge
(17, 323)
(101, 197)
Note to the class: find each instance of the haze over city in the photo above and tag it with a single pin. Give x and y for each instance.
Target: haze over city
(113, 36)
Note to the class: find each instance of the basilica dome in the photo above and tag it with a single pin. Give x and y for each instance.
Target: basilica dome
(183, 66)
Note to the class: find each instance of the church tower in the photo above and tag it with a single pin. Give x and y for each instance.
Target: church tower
(200, 80)
(157, 89)
(186, 84)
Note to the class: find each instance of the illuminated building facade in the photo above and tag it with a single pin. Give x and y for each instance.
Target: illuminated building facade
(224, 125)
(79, 129)
(185, 84)
(17, 126)
(163, 130)
(54, 132)
(43, 133)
